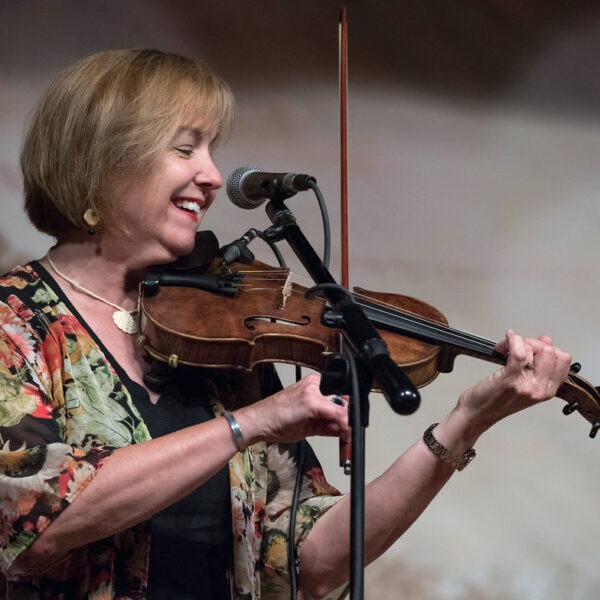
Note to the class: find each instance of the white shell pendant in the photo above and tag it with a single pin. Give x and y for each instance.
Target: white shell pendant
(125, 322)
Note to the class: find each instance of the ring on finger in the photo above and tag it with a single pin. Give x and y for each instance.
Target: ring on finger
(338, 400)
(529, 366)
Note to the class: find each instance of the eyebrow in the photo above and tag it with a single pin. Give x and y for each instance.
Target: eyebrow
(196, 133)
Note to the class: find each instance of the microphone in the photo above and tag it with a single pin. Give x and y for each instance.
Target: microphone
(248, 187)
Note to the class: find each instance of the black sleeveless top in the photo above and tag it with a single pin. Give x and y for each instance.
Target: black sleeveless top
(191, 540)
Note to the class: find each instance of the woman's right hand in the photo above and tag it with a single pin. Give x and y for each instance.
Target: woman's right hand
(294, 413)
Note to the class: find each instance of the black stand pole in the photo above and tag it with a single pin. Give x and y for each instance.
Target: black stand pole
(369, 359)
(359, 420)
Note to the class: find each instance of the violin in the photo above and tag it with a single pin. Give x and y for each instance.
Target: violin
(236, 316)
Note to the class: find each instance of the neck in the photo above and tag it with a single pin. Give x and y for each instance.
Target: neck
(91, 268)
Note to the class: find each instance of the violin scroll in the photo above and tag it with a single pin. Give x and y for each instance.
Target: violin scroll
(582, 397)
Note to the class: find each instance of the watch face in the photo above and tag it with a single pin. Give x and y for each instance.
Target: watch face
(468, 456)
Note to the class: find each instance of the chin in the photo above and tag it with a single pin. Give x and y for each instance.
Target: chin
(178, 250)
(188, 247)
(164, 256)
(171, 245)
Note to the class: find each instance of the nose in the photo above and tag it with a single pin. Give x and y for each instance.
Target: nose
(208, 175)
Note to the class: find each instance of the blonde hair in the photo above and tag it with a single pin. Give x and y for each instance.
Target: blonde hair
(111, 113)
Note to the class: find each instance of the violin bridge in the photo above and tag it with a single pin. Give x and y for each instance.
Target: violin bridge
(286, 291)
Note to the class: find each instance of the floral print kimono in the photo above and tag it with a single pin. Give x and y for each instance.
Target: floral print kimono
(64, 410)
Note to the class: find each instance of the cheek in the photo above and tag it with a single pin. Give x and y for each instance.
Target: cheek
(211, 199)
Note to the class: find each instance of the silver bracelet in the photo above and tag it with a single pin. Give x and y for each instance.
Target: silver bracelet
(236, 432)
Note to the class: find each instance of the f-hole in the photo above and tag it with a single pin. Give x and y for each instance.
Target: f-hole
(249, 321)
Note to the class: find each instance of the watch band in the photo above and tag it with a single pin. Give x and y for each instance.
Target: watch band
(458, 461)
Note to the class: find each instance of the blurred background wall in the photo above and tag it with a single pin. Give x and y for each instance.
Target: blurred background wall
(474, 140)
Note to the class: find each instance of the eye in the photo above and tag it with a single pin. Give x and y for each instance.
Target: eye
(186, 150)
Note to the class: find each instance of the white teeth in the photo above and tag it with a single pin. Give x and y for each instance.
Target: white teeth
(188, 205)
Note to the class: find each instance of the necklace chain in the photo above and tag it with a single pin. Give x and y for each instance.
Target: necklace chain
(123, 318)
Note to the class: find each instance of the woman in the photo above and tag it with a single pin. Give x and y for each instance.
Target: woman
(109, 489)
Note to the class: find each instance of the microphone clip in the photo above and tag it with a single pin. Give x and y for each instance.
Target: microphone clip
(281, 217)
(238, 250)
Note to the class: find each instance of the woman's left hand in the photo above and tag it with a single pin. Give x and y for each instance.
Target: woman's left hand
(534, 370)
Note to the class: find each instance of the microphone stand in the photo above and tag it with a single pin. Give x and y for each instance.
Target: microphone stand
(368, 359)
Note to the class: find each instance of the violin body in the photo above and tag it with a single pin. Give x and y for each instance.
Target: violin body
(267, 321)
(198, 327)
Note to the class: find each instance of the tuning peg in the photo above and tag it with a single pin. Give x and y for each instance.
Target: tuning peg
(571, 407)
(594, 430)
(575, 367)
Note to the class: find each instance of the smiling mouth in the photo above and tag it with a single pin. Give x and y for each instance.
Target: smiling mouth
(189, 206)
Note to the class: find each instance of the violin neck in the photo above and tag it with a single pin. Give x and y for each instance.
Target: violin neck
(580, 395)
(451, 341)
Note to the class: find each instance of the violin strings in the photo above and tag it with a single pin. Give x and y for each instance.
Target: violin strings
(429, 325)
(438, 333)
(384, 311)
(393, 311)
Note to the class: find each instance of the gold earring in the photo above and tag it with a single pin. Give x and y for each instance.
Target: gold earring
(92, 218)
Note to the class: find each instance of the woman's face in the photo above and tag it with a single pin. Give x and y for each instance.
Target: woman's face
(158, 215)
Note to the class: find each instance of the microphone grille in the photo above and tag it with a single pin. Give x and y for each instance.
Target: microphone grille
(234, 187)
